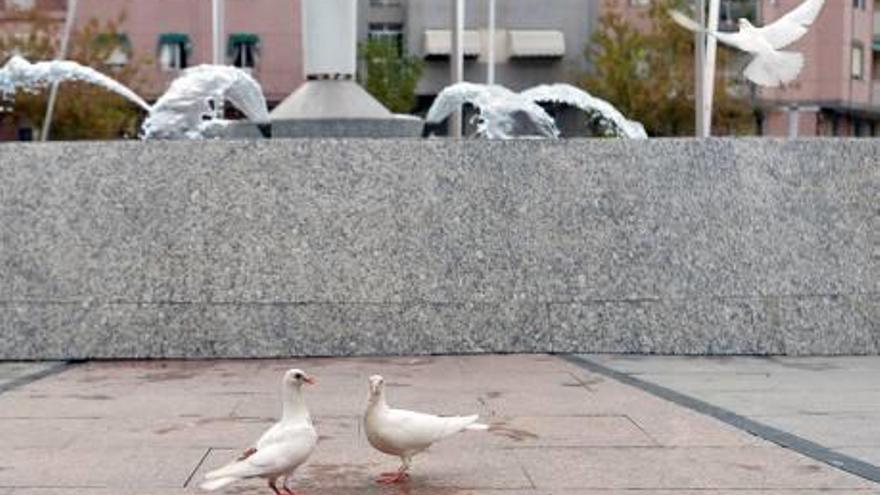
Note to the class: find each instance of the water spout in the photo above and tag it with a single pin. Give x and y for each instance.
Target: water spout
(18, 73)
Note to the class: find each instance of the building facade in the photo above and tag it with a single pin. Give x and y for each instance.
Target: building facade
(838, 91)
(535, 42)
(261, 36)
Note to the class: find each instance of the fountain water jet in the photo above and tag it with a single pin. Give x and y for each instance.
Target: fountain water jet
(187, 107)
(499, 108)
(608, 115)
(185, 111)
(19, 73)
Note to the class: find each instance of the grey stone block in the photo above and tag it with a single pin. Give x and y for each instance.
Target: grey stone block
(334, 246)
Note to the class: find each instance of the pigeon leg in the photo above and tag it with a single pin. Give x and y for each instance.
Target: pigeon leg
(286, 488)
(397, 477)
(273, 487)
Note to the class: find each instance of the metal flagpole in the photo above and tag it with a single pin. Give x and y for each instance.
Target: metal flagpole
(218, 16)
(218, 23)
(456, 60)
(53, 91)
(709, 67)
(700, 59)
(490, 62)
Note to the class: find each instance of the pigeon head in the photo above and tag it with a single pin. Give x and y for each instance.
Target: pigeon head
(377, 385)
(297, 377)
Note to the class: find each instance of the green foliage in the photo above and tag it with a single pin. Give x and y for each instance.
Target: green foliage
(648, 74)
(391, 76)
(82, 111)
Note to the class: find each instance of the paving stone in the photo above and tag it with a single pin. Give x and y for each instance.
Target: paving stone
(145, 428)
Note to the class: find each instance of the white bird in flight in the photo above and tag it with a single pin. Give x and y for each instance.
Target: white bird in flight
(403, 433)
(770, 66)
(283, 448)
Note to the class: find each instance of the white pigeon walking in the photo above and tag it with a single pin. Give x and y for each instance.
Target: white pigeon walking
(403, 433)
(770, 67)
(284, 447)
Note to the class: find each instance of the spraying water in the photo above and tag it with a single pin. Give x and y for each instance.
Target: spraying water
(607, 114)
(18, 73)
(499, 108)
(187, 109)
(503, 112)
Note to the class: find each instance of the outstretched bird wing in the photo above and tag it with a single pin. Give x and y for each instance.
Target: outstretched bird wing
(737, 40)
(793, 25)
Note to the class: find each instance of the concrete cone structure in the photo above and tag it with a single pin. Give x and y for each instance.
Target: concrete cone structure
(331, 103)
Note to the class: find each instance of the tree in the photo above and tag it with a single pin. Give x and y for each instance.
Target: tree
(649, 75)
(82, 111)
(391, 74)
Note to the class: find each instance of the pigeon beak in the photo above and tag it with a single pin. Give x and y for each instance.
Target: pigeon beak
(310, 380)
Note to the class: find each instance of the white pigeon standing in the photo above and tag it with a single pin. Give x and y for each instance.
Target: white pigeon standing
(403, 433)
(770, 66)
(284, 447)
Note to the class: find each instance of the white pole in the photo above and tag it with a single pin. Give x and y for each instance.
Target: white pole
(456, 60)
(490, 63)
(709, 68)
(700, 58)
(793, 121)
(218, 22)
(217, 17)
(62, 53)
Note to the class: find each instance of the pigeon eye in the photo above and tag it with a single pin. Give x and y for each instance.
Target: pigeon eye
(298, 376)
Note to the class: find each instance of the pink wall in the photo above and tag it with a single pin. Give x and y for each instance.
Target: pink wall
(277, 22)
(826, 75)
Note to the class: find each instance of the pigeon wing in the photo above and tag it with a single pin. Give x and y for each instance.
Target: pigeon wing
(414, 431)
(279, 457)
(793, 25)
(279, 449)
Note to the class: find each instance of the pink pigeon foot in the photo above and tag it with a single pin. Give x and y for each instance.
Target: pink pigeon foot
(391, 478)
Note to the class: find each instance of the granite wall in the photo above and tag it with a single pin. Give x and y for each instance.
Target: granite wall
(335, 247)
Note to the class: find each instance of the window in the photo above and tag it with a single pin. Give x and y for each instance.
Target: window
(390, 32)
(858, 4)
(174, 51)
(858, 61)
(242, 50)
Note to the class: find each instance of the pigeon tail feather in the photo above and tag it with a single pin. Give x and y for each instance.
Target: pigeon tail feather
(461, 423)
(477, 427)
(223, 472)
(774, 69)
(216, 484)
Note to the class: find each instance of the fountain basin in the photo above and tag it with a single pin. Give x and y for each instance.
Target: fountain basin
(345, 246)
